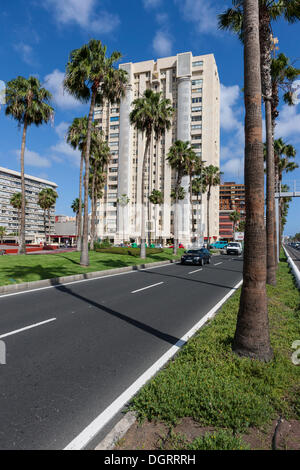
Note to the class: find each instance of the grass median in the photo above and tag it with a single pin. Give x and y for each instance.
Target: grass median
(211, 386)
(26, 268)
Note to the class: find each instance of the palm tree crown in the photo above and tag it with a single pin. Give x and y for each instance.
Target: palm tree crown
(28, 102)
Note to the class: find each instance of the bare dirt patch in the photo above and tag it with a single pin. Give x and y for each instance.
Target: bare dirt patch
(157, 436)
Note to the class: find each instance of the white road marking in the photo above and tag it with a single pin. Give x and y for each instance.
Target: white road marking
(91, 431)
(148, 287)
(85, 280)
(197, 270)
(218, 263)
(15, 332)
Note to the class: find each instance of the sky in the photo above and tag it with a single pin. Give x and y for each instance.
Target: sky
(37, 36)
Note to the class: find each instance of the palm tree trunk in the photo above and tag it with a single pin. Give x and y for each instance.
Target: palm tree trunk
(45, 227)
(93, 221)
(143, 208)
(192, 208)
(208, 219)
(49, 226)
(22, 241)
(79, 226)
(84, 258)
(252, 330)
(266, 61)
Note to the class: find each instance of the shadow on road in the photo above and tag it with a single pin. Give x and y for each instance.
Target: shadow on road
(137, 324)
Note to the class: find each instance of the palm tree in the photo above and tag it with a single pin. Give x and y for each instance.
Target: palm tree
(235, 218)
(151, 115)
(46, 200)
(91, 77)
(2, 233)
(76, 135)
(123, 201)
(283, 75)
(269, 10)
(283, 154)
(195, 169)
(181, 158)
(100, 156)
(251, 337)
(76, 206)
(28, 103)
(156, 198)
(211, 177)
(16, 203)
(198, 189)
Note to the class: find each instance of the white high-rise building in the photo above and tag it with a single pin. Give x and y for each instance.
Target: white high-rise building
(193, 87)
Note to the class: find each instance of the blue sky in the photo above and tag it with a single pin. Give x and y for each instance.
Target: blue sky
(37, 36)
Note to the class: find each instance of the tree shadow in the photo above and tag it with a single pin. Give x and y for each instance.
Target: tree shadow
(23, 273)
(125, 318)
(190, 279)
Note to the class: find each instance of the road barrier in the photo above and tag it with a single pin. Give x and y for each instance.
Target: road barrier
(294, 268)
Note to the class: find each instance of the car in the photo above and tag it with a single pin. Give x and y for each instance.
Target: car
(198, 256)
(219, 245)
(234, 248)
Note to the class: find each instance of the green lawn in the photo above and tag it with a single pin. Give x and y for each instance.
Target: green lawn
(209, 383)
(26, 268)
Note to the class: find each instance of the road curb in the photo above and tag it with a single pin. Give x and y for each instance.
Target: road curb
(118, 431)
(294, 268)
(59, 281)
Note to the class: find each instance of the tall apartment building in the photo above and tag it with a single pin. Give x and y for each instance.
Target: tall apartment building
(10, 183)
(192, 85)
(232, 198)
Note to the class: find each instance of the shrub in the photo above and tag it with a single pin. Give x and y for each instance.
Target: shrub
(128, 251)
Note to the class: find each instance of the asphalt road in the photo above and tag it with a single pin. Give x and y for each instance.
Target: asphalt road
(294, 254)
(89, 341)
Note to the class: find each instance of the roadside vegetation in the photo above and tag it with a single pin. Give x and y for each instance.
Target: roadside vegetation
(216, 388)
(21, 268)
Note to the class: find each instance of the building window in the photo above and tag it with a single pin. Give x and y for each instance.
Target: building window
(198, 63)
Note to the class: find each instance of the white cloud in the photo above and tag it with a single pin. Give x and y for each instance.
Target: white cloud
(83, 13)
(232, 123)
(230, 107)
(162, 44)
(54, 83)
(288, 124)
(62, 150)
(201, 12)
(233, 167)
(34, 159)
(26, 52)
(151, 3)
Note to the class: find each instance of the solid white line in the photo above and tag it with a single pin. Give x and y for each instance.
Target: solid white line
(15, 332)
(85, 280)
(218, 263)
(197, 270)
(148, 287)
(82, 440)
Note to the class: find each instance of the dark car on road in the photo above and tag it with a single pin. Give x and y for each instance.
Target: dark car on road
(199, 256)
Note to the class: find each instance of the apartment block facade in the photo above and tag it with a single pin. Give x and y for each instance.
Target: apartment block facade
(232, 198)
(192, 85)
(10, 183)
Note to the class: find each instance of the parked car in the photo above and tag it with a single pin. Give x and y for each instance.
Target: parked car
(234, 248)
(219, 245)
(199, 256)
